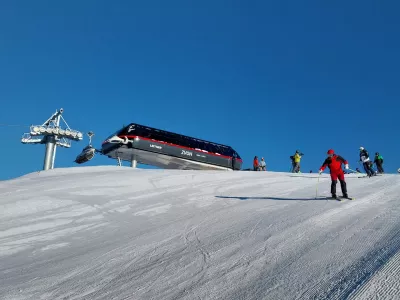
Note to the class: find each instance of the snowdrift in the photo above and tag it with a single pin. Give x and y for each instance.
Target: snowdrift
(122, 233)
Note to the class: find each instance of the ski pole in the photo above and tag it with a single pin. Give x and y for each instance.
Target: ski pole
(316, 189)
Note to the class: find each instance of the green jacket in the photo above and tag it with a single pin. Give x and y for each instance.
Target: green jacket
(378, 159)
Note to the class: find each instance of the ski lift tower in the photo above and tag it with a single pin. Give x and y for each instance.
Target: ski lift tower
(51, 134)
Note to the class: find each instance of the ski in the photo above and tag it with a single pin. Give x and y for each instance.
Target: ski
(339, 198)
(334, 198)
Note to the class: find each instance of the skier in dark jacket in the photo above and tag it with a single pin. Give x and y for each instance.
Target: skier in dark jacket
(292, 161)
(334, 162)
(379, 163)
(364, 158)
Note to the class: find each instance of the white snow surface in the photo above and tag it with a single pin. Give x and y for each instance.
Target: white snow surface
(121, 233)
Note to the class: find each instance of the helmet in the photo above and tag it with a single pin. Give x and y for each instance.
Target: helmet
(377, 153)
(361, 148)
(330, 152)
(297, 151)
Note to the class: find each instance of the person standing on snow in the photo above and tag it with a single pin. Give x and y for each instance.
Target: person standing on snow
(364, 158)
(334, 163)
(296, 161)
(255, 164)
(263, 165)
(379, 162)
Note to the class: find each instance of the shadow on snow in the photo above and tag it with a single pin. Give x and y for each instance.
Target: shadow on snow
(304, 176)
(271, 198)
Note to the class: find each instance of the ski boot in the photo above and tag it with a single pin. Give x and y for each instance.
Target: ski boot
(345, 196)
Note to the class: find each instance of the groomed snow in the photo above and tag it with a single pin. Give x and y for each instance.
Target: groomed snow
(120, 233)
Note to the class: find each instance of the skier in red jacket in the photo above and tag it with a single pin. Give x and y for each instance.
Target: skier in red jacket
(334, 162)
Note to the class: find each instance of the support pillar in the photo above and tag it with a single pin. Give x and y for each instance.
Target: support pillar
(54, 155)
(134, 162)
(50, 148)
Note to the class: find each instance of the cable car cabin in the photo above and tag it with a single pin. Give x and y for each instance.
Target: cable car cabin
(87, 154)
(169, 150)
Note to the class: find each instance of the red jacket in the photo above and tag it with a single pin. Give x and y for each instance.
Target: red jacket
(334, 163)
(255, 162)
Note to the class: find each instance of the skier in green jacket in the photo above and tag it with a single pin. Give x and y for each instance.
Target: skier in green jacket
(379, 162)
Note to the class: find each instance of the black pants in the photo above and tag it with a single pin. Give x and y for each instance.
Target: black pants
(343, 186)
(368, 169)
(296, 167)
(380, 168)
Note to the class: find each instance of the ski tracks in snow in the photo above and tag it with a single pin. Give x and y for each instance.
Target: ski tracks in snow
(371, 241)
(213, 235)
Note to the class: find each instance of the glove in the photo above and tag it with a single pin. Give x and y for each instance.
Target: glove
(320, 171)
(346, 166)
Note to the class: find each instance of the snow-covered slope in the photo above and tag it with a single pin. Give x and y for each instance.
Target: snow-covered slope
(119, 233)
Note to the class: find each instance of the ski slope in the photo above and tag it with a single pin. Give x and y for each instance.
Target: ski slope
(122, 233)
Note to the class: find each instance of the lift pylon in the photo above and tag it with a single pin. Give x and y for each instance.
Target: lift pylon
(52, 135)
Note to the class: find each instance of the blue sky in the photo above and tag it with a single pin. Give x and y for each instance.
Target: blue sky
(266, 77)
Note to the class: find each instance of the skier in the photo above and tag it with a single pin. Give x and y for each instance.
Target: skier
(263, 165)
(296, 161)
(379, 162)
(255, 164)
(364, 158)
(334, 162)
